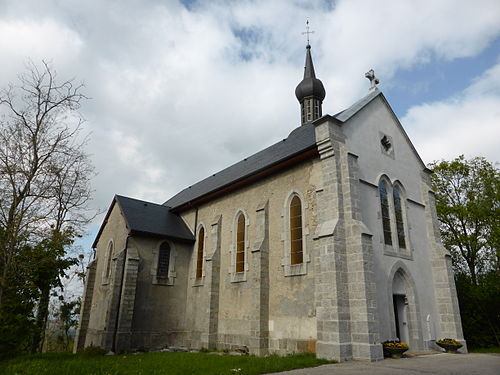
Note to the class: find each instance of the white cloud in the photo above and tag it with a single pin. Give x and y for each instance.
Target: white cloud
(21, 40)
(391, 35)
(467, 123)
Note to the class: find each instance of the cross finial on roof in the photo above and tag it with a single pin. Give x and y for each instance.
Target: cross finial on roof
(307, 32)
(374, 81)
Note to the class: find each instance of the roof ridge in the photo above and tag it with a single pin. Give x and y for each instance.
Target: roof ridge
(140, 200)
(347, 113)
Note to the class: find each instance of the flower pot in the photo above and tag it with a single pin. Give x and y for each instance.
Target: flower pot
(450, 348)
(394, 352)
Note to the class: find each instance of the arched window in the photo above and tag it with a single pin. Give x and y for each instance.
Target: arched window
(199, 260)
(163, 261)
(108, 260)
(386, 219)
(296, 251)
(398, 213)
(240, 244)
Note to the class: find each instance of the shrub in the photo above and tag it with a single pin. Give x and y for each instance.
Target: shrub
(92, 351)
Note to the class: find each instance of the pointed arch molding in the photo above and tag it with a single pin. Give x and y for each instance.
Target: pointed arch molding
(290, 269)
(199, 281)
(239, 276)
(171, 274)
(394, 249)
(413, 312)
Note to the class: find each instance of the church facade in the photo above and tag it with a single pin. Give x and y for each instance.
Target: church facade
(325, 242)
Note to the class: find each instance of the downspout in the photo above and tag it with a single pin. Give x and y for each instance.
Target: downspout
(117, 320)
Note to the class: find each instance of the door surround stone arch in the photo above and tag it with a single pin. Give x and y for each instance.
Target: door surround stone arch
(399, 269)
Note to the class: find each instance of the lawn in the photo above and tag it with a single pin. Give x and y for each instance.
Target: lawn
(494, 349)
(155, 364)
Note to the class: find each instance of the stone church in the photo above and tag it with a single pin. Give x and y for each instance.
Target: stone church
(324, 242)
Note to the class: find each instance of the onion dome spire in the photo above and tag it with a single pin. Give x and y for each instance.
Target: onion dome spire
(310, 92)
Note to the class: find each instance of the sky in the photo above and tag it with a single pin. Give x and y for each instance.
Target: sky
(182, 89)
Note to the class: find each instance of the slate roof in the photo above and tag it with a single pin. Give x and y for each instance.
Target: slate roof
(301, 139)
(146, 218)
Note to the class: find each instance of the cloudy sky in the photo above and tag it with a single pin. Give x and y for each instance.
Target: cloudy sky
(182, 89)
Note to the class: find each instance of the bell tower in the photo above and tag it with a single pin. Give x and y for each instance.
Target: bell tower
(310, 91)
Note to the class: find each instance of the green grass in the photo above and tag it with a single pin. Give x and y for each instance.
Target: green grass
(495, 349)
(155, 364)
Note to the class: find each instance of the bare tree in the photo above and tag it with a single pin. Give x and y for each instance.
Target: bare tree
(44, 171)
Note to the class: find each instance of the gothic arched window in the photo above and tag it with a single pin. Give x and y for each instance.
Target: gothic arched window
(398, 213)
(199, 258)
(386, 219)
(296, 251)
(163, 261)
(240, 243)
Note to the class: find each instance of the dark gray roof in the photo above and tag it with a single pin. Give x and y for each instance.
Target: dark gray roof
(150, 218)
(146, 218)
(301, 139)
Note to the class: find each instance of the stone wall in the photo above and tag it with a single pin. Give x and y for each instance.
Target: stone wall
(106, 290)
(262, 308)
(159, 311)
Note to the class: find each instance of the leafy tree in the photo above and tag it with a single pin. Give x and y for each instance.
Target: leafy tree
(479, 307)
(44, 188)
(19, 301)
(51, 261)
(468, 208)
(68, 316)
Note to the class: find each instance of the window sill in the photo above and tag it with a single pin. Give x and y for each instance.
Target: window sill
(295, 269)
(164, 282)
(402, 253)
(238, 277)
(198, 282)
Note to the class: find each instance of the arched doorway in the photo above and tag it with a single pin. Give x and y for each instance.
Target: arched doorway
(405, 312)
(400, 305)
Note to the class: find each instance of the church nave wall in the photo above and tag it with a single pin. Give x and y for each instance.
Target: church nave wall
(260, 306)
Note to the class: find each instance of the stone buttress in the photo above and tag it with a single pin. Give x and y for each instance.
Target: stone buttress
(86, 306)
(122, 340)
(259, 277)
(345, 291)
(213, 281)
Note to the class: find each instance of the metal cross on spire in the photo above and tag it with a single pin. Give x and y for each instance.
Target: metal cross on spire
(307, 32)
(374, 81)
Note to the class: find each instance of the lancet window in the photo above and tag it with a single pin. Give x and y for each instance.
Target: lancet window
(386, 218)
(199, 258)
(163, 262)
(398, 214)
(240, 243)
(296, 250)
